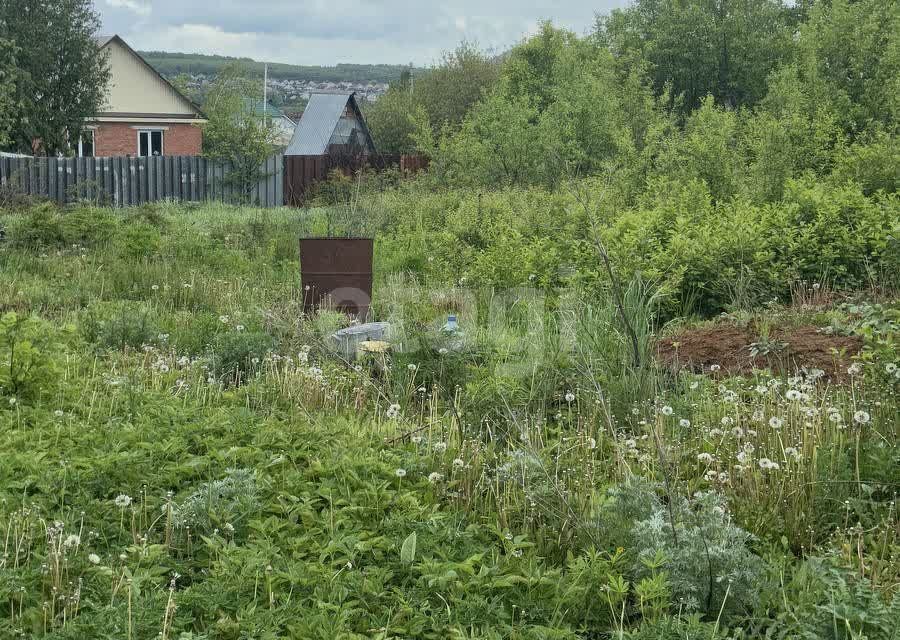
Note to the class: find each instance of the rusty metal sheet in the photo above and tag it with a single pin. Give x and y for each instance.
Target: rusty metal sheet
(337, 273)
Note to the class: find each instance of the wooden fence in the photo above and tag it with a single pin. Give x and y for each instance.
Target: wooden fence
(301, 173)
(126, 181)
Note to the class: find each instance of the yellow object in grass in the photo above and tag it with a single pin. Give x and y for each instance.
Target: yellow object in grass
(375, 346)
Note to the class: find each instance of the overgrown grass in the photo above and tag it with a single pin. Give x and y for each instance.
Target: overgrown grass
(187, 457)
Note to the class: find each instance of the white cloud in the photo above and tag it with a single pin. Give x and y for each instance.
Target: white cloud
(132, 5)
(328, 32)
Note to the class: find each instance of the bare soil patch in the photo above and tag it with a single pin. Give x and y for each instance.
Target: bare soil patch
(729, 346)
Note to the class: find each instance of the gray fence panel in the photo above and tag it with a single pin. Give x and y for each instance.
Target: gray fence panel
(125, 181)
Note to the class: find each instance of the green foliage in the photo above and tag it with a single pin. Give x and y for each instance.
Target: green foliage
(49, 227)
(391, 121)
(706, 556)
(438, 98)
(29, 358)
(9, 75)
(692, 247)
(53, 107)
(120, 326)
(823, 602)
(238, 354)
(140, 240)
(849, 52)
(220, 505)
(475, 485)
(707, 47)
(447, 91)
(233, 133)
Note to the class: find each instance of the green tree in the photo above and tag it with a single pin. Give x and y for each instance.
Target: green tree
(391, 119)
(62, 75)
(9, 74)
(443, 94)
(448, 91)
(233, 133)
(560, 108)
(850, 56)
(724, 48)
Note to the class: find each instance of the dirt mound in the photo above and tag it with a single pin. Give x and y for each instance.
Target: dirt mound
(787, 349)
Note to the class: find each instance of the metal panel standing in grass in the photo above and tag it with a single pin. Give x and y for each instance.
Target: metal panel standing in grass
(337, 273)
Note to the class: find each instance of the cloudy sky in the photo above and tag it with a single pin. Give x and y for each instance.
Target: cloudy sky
(331, 31)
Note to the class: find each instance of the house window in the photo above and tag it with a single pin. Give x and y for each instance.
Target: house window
(150, 142)
(86, 144)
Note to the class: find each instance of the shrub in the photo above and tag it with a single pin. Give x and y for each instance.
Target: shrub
(223, 505)
(140, 240)
(705, 555)
(48, 226)
(88, 226)
(120, 326)
(29, 355)
(40, 226)
(238, 353)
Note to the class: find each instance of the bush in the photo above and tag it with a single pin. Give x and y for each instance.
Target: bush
(705, 555)
(29, 358)
(120, 326)
(220, 505)
(140, 240)
(238, 354)
(48, 226)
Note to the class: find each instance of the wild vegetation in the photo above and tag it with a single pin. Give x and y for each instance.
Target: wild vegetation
(187, 455)
(670, 409)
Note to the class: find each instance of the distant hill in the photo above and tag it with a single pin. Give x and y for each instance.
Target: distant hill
(172, 64)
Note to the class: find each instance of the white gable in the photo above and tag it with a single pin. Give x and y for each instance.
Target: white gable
(135, 88)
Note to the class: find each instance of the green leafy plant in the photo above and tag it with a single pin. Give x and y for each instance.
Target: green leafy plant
(30, 351)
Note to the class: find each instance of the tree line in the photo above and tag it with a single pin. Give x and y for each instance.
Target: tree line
(740, 93)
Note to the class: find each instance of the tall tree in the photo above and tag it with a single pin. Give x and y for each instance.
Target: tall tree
(9, 73)
(62, 76)
(449, 90)
(443, 95)
(851, 48)
(723, 48)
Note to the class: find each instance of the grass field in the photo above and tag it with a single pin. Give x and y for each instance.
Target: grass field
(184, 455)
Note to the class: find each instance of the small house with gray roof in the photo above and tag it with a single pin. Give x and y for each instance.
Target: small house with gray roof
(331, 125)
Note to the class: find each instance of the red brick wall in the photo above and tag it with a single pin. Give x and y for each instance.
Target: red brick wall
(121, 139)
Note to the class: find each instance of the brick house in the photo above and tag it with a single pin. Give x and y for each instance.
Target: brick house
(144, 115)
